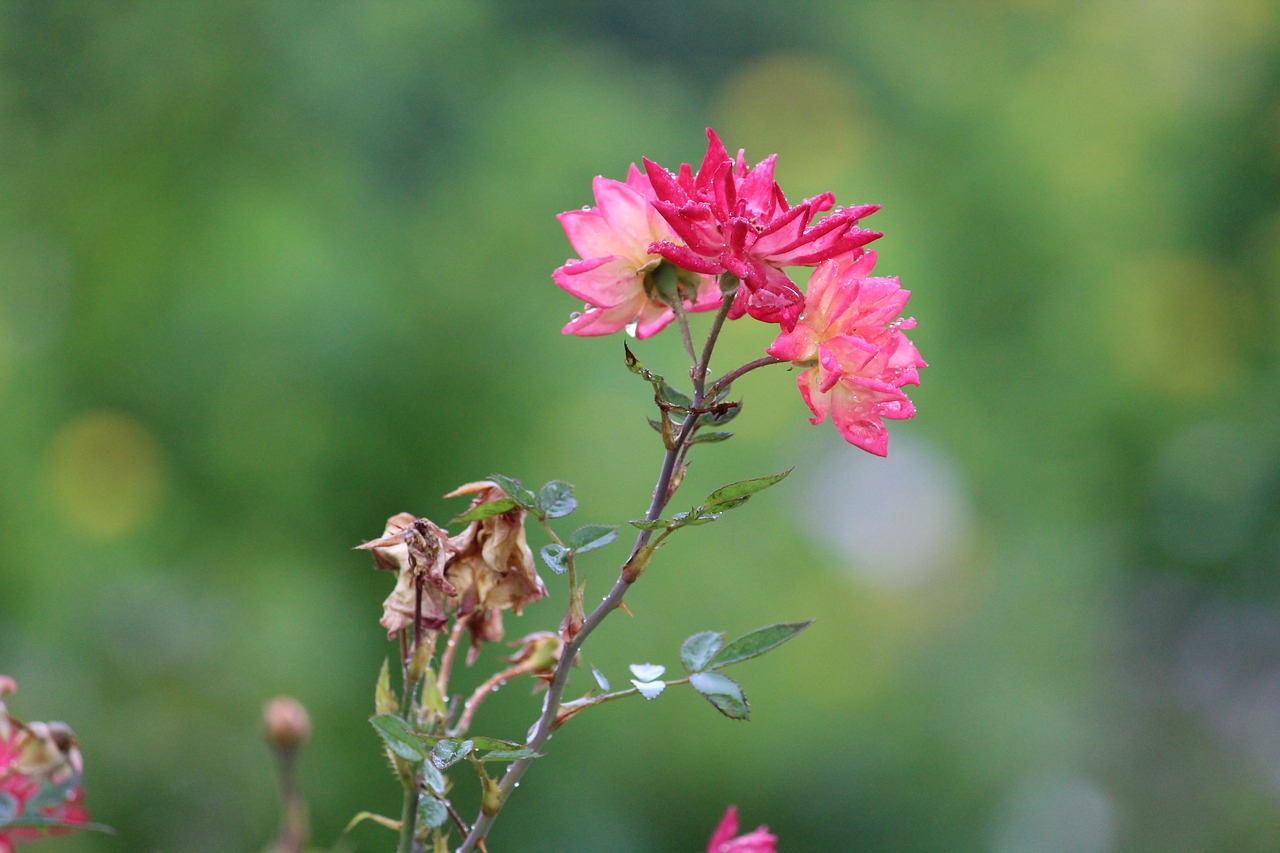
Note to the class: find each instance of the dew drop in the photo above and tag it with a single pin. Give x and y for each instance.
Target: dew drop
(631, 327)
(573, 315)
(586, 207)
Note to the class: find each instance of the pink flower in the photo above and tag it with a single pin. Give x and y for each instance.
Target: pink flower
(734, 218)
(618, 277)
(40, 772)
(759, 841)
(857, 357)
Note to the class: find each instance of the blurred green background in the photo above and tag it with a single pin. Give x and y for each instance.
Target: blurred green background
(272, 272)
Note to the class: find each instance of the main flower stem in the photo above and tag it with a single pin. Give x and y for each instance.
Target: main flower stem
(543, 729)
(408, 819)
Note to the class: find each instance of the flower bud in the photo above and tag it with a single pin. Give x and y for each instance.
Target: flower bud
(287, 724)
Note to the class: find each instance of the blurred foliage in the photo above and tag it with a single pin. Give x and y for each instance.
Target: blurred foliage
(272, 272)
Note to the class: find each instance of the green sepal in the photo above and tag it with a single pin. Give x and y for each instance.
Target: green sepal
(634, 365)
(556, 500)
(757, 642)
(384, 698)
(389, 823)
(735, 494)
(592, 536)
(697, 651)
(488, 510)
(723, 693)
(556, 557)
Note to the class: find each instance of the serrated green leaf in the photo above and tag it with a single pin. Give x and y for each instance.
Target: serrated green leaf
(510, 754)
(600, 679)
(734, 494)
(431, 812)
(450, 751)
(647, 671)
(399, 738)
(484, 511)
(393, 825)
(556, 557)
(589, 537)
(709, 437)
(644, 524)
(556, 500)
(697, 651)
(522, 496)
(495, 743)
(433, 778)
(722, 692)
(675, 396)
(757, 643)
(384, 698)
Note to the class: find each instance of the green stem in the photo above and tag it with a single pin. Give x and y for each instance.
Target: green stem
(408, 819)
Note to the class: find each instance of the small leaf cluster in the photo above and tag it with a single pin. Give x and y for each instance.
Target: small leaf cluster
(717, 503)
(675, 406)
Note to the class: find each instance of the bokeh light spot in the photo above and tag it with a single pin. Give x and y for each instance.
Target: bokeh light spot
(108, 473)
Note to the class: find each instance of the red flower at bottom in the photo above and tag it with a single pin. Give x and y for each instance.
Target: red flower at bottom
(723, 841)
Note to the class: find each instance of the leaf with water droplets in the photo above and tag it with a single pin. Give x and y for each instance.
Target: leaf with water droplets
(556, 557)
(556, 500)
(723, 693)
(600, 679)
(592, 536)
(450, 751)
(522, 496)
(431, 812)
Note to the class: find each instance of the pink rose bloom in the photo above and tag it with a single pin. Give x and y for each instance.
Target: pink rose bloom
(857, 357)
(734, 218)
(40, 772)
(618, 276)
(759, 841)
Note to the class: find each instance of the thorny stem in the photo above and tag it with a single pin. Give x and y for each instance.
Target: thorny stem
(545, 725)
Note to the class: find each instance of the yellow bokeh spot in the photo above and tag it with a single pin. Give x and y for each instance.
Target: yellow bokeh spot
(811, 118)
(1174, 324)
(108, 474)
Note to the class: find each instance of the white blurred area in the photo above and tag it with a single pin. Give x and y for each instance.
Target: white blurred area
(1055, 812)
(900, 521)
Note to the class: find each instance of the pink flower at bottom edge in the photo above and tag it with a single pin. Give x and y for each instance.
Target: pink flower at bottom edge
(723, 841)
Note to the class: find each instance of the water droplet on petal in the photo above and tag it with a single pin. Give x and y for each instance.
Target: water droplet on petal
(631, 327)
(573, 315)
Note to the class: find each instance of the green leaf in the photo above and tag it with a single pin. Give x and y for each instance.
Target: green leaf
(709, 437)
(484, 511)
(431, 812)
(757, 643)
(647, 671)
(734, 494)
(384, 698)
(393, 825)
(510, 754)
(721, 412)
(657, 425)
(645, 524)
(699, 515)
(722, 692)
(555, 499)
(556, 557)
(450, 751)
(592, 536)
(674, 396)
(698, 650)
(433, 778)
(399, 738)
(495, 743)
(522, 496)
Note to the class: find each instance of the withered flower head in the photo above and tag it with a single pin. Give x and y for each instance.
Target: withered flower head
(419, 552)
(494, 568)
